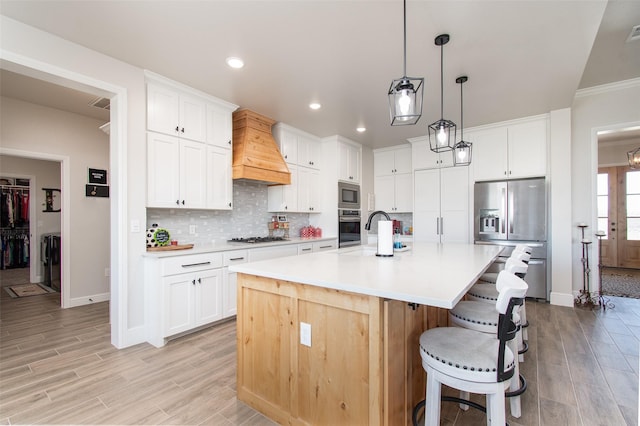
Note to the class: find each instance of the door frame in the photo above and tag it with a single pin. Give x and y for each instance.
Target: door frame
(118, 169)
(595, 277)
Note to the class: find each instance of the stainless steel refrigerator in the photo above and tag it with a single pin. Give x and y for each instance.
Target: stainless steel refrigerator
(512, 212)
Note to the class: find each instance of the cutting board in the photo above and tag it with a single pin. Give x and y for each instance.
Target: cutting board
(168, 248)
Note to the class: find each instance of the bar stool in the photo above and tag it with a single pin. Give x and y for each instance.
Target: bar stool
(490, 277)
(483, 317)
(471, 361)
(488, 293)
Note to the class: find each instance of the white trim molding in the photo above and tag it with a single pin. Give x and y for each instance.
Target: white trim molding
(604, 88)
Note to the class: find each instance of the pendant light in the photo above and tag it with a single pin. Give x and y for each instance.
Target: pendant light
(440, 138)
(462, 150)
(405, 94)
(634, 158)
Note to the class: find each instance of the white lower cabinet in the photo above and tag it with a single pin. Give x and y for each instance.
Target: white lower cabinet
(181, 293)
(230, 281)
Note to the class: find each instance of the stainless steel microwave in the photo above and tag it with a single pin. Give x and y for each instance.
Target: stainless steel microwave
(348, 196)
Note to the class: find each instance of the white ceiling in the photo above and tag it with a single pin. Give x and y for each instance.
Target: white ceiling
(522, 57)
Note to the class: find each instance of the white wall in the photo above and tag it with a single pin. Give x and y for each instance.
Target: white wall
(602, 108)
(46, 174)
(36, 128)
(28, 50)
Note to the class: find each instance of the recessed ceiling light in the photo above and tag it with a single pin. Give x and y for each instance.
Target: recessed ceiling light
(315, 105)
(234, 62)
(361, 129)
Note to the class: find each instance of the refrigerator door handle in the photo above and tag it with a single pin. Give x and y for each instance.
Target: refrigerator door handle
(504, 205)
(510, 209)
(441, 225)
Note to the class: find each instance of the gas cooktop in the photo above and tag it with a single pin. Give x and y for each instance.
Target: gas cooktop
(254, 240)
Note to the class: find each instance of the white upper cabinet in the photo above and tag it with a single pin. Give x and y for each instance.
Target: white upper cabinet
(423, 158)
(176, 172)
(302, 152)
(298, 147)
(174, 113)
(393, 183)
(392, 161)
(510, 151)
(189, 143)
(219, 126)
(349, 160)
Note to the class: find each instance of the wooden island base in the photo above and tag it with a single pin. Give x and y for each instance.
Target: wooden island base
(363, 366)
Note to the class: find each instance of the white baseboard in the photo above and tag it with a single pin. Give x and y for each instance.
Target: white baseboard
(87, 300)
(562, 299)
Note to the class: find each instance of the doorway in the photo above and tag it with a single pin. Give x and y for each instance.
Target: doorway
(619, 216)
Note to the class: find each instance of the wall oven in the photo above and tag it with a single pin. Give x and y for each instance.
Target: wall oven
(348, 228)
(348, 196)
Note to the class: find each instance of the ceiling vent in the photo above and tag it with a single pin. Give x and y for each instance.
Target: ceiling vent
(635, 34)
(103, 103)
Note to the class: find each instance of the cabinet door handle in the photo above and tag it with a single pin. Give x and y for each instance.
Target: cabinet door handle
(183, 202)
(182, 130)
(229, 204)
(236, 258)
(193, 282)
(199, 281)
(190, 265)
(178, 202)
(177, 129)
(229, 142)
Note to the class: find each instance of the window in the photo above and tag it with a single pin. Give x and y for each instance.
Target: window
(633, 205)
(603, 203)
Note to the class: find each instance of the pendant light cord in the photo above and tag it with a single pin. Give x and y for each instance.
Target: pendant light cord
(405, 38)
(461, 116)
(441, 82)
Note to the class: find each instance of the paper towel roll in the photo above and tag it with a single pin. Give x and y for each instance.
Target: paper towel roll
(385, 238)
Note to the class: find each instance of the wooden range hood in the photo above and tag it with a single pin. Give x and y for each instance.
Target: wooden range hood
(255, 153)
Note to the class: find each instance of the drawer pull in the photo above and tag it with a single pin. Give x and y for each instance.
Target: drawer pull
(189, 265)
(306, 249)
(323, 247)
(237, 258)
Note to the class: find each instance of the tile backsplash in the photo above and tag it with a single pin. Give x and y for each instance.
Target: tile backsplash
(248, 218)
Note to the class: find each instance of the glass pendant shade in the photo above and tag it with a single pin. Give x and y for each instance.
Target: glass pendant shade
(405, 94)
(442, 133)
(462, 150)
(634, 158)
(405, 100)
(462, 154)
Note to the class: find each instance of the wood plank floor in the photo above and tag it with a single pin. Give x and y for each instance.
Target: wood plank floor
(58, 367)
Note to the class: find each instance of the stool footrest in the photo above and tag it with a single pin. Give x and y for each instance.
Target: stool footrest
(525, 325)
(525, 347)
(518, 392)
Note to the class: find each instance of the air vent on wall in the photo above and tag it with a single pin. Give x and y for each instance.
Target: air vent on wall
(103, 103)
(635, 34)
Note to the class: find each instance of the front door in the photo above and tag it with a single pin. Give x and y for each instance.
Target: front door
(619, 216)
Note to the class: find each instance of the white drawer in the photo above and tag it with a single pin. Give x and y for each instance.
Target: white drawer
(191, 263)
(325, 245)
(305, 248)
(234, 257)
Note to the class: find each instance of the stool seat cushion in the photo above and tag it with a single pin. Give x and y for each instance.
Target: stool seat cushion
(484, 291)
(489, 277)
(463, 354)
(479, 314)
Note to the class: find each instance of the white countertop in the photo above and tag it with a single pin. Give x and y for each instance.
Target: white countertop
(228, 246)
(427, 274)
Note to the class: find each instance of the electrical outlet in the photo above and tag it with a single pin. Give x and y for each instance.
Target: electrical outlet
(192, 229)
(305, 334)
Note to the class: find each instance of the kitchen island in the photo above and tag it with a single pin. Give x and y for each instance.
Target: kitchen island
(332, 337)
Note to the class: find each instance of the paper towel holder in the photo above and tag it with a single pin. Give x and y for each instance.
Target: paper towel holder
(382, 251)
